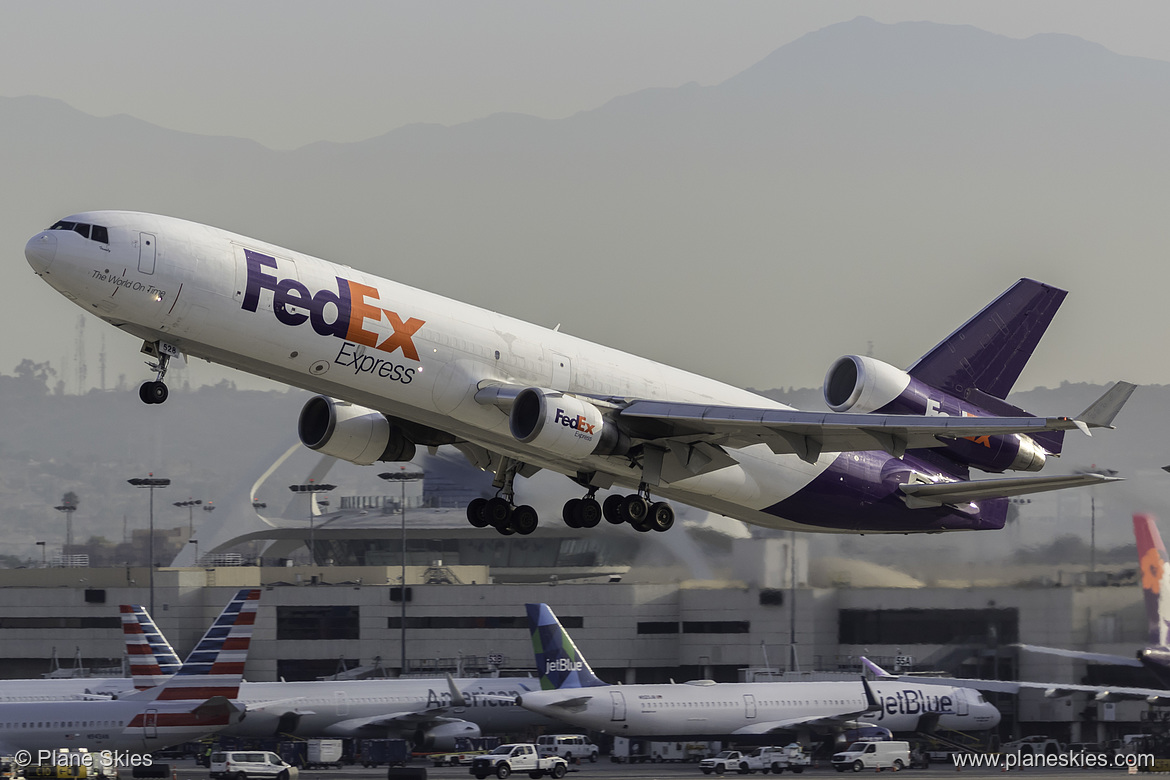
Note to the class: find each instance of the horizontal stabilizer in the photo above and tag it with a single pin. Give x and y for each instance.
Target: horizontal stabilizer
(1101, 412)
(919, 495)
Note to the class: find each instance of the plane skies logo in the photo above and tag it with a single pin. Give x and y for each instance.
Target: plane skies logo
(350, 314)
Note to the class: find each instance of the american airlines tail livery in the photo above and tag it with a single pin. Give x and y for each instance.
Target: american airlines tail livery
(198, 700)
(398, 367)
(572, 693)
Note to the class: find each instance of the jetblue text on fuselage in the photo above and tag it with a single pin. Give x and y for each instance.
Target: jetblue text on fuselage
(912, 702)
(342, 314)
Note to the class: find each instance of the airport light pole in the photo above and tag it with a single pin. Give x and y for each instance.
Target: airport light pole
(68, 506)
(150, 482)
(309, 488)
(190, 504)
(402, 477)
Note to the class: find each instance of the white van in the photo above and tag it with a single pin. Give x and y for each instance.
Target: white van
(242, 764)
(571, 747)
(873, 755)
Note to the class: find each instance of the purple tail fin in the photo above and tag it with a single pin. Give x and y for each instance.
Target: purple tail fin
(981, 361)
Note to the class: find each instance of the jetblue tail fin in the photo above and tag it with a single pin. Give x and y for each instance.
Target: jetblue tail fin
(152, 659)
(1155, 578)
(558, 661)
(215, 668)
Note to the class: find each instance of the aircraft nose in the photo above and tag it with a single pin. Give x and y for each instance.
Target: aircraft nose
(40, 251)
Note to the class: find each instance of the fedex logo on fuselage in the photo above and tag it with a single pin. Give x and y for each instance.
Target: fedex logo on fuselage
(578, 423)
(563, 665)
(343, 314)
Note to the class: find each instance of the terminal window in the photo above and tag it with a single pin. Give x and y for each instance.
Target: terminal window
(926, 626)
(317, 623)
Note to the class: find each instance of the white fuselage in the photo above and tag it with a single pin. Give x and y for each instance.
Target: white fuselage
(404, 352)
(124, 724)
(717, 709)
(323, 709)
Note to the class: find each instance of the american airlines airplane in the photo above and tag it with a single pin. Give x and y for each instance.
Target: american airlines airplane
(398, 367)
(572, 693)
(195, 702)
(431, 713)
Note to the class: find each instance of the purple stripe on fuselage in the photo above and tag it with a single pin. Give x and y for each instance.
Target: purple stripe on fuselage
(871, 479)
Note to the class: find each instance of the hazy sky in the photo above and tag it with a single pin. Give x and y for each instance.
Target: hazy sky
(292, 72)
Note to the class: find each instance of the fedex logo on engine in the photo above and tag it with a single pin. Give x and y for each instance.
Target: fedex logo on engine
(350, 313)
(578, 423)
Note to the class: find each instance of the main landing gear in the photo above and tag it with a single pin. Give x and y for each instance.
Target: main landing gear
(501, 512)
(638, 510)
(155, 392)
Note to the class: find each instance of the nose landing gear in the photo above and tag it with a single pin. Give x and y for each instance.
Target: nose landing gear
(156, 392)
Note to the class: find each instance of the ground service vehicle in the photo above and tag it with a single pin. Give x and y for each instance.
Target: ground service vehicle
(242, 764)
(568, 746)
(518, 757)
(732, 760)
(873, 755)
(777, 759)
(1036, 744)
(375, 752)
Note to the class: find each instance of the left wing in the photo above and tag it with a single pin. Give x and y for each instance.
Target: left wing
(808, 434)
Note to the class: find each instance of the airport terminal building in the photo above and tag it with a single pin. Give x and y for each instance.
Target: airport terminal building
(633, 605)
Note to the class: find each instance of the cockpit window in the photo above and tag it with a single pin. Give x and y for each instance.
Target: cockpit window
(96, 233)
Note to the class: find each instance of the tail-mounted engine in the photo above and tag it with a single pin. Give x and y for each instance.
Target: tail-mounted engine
(863, 384)
(351, 432)
(564, 425)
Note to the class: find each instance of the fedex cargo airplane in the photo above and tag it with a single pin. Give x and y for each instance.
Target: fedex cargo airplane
(196, 701)
(398, 367)
(572, 693)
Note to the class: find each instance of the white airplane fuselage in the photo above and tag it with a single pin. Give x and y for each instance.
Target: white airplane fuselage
(717, 709)
(125, 724)
(161, 278)
(437, 371)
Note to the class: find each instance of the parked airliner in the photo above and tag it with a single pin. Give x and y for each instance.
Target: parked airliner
(197, 701)
(398, 367)
(572, 693)
(431, 713)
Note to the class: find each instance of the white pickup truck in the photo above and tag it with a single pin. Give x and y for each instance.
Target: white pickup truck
(726, 760)
(777, 759)
(518, 757)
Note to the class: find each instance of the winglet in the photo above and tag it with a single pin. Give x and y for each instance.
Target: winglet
(1101, 412)
(457, 699)
(870, 700)
(875, 670)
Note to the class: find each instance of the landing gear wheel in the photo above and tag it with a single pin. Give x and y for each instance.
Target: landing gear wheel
(153, 392)
(612, 509)
(498, 511)
(661, 516)
(506, 530)
(589, 512)
(571, 513)
(524, 520)
(635, 508)
(476, 514)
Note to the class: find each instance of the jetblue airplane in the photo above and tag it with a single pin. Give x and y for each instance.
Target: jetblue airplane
(197, 701)
(572, 693)
(398, 367)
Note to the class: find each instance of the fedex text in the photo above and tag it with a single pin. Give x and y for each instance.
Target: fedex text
(351, 313)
